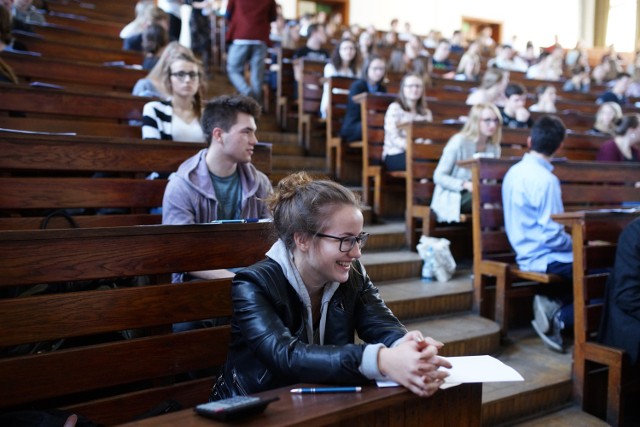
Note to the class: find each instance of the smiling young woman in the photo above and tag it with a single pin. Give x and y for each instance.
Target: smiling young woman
(296, 313)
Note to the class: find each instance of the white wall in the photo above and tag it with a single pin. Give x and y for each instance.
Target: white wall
(537, 21)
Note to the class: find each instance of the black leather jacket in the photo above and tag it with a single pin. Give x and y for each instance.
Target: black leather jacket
(269, 347)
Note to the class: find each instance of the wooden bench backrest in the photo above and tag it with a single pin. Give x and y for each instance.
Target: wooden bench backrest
(107, 28)
(310, 88)
(68, 73)
(72, 104)
(585, 185)
(337, 105)
(106, 379)
(64, 50)
(46, 177)
(52, 32)
(286, 83)
(373, 108)
(98, 11)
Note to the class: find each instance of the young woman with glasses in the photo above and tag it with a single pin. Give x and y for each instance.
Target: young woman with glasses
(480, 137)
(344, 62)
(410, 106)
(373, 73)
(178, 117)
(295, 314)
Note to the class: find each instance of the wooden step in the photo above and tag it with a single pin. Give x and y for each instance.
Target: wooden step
(392, 265)
(463, 334)
(278, 138)
(569, 416)
(547, 381)
(415, 298)
(296, 163)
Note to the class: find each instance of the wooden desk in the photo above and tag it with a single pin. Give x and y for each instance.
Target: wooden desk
(457, 406)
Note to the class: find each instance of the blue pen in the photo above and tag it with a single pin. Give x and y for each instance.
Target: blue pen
(313, 390)
(235, 221)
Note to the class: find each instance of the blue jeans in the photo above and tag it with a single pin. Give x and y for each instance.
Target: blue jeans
(237, 58)
(564, 270)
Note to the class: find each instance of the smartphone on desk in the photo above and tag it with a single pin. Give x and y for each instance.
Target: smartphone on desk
(234, 407)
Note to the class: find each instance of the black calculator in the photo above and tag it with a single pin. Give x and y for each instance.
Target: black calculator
(234, 407)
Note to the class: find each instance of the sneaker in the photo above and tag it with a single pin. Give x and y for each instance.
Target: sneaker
(544, 308)
(553, 340)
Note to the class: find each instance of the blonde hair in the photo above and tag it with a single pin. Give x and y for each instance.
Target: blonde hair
(301, 203)
(181, 54)
(471, 128)
(491, 78)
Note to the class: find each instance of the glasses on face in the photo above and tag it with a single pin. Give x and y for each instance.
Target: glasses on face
(182, 75)
(489, 121)
(347, 243)
(413, 86)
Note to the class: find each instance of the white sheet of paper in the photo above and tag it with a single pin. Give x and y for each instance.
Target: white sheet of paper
(473, 369)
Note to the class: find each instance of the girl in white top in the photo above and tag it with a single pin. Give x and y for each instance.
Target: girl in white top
(480, 136)
(410, 106)
(546, 100)
(343, 62)
(177, 118)
(491, 90)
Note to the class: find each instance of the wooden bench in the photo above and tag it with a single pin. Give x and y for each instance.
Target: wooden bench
(339, 155)
(585, 185)
(311, 129)
(64, 50)
(96, 373)
(43, 173)
(589, 279)
(73, 74)
(382, 189)
(74, 105)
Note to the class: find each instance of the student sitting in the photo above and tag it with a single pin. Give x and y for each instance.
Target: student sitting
(530, 195)
(177, 118)
(607, 118)
(344, 62)
(295, 314)
(620, 324)
(624, 146)
(153, 85)
(618, 92)
(491, 90)
(480, 135)
(219, 182)
(546, 102)
(514, 113)
(372, 77)
(410, 106)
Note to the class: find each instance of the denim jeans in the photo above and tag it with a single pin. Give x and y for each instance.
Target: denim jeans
(237, 58)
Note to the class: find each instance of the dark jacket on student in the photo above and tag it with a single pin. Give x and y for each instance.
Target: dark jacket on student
(273, 344)
(620, 326)
(352, 125)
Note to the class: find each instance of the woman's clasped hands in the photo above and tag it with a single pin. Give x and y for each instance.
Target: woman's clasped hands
(414, 363)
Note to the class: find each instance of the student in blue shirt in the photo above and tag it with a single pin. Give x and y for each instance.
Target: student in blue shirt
(530, 195)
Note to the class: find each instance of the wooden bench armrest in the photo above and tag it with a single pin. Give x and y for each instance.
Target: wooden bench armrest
(599, 353)
(492, 268)
(398, 174)
(535, 276)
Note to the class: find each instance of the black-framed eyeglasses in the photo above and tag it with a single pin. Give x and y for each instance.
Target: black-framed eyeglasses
(182, 75)
(347, 243)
